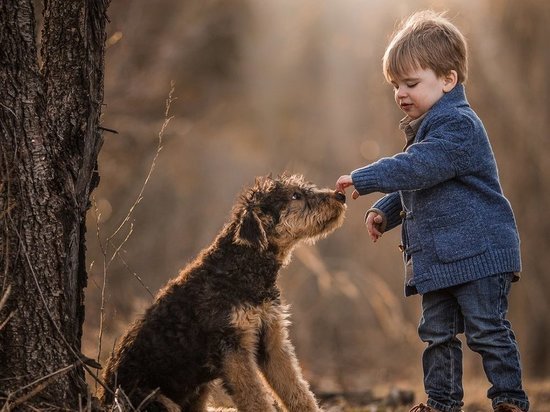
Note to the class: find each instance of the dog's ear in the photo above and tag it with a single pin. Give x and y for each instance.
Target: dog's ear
(250, 230)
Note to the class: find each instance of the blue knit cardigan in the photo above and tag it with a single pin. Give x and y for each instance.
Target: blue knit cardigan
(457, 226)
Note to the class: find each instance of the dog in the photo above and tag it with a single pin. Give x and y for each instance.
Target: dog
(222, 317)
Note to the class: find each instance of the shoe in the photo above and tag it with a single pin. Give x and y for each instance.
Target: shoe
(424, 408)
(507, 407)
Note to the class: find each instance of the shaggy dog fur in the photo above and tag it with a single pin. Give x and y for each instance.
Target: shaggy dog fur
(222, 317)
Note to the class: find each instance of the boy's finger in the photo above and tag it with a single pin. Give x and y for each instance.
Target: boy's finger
(373, 230)
(341, 187)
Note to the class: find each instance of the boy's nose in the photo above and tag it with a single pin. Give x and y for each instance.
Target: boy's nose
(400, 94)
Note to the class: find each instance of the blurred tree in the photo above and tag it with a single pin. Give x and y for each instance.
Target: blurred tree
(516, 75)
(50, 104)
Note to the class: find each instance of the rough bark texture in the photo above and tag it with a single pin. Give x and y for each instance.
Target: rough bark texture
(49, 143)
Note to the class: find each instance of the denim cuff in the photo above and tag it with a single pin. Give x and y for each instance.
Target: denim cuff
(444, 408)
(521, 404)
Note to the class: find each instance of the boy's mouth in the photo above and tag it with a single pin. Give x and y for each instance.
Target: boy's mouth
(406, 106)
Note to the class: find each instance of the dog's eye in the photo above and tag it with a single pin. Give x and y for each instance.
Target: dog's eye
(296, 196)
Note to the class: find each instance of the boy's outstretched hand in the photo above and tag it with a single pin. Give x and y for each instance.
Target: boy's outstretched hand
(344, 182)
(374, 225)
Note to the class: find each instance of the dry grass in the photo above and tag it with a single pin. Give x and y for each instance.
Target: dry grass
(475, 398)
(377, 399)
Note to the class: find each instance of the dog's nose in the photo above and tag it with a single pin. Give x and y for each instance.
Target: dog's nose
(340, 197)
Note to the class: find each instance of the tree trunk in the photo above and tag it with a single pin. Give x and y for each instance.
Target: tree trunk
(49, 143)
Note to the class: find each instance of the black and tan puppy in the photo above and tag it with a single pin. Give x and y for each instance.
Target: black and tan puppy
(222, 317)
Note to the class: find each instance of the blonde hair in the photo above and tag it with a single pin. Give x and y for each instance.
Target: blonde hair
(426, 40)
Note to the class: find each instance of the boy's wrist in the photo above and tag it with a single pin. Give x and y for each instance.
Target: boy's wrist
(364, 180)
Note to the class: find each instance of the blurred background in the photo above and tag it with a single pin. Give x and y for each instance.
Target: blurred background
(283, 85)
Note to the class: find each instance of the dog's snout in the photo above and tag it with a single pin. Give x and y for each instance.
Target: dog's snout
(340, 197)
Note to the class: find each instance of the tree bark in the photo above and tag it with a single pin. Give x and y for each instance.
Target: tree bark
(49, 143)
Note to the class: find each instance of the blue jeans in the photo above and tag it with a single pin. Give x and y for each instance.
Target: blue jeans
(477, 309)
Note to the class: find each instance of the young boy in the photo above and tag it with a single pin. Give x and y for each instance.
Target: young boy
(459, 238)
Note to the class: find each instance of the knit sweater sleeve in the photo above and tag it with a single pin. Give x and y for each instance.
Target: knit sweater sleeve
(390, 208)
(443, 154)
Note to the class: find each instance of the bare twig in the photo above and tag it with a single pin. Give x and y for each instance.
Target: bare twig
(125, 403)
(40, 383)
(147, 399)
(5, 297)
(106, 129)
(102, 307)
(3, 325)
(139, 198)
(2, 303)
(9, 109)
(135, 275)
(108, 260)
(103, 288)
(5, 196)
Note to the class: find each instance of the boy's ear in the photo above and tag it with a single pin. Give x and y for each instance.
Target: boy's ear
(250, 230)
(449, 81)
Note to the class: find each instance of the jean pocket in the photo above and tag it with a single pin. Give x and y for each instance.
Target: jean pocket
(456, 237)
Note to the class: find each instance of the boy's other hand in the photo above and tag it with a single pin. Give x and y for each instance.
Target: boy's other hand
(344, 182)
(374, 225)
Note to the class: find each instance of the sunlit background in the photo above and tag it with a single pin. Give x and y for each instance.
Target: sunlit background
(266, 86)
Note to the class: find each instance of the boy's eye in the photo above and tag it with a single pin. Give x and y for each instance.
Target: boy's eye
(411, 85)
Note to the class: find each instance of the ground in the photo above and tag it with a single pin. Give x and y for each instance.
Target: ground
(385, 398)
(475, 399)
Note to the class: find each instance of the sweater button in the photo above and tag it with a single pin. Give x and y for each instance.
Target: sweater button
(401, 248)
(402, 214)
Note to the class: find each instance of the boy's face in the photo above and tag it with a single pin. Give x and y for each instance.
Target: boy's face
(419, 90)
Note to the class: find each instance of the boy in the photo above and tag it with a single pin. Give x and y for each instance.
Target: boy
(459, 238)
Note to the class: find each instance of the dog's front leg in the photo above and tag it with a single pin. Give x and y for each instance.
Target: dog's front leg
(241, 379)
(281, 369)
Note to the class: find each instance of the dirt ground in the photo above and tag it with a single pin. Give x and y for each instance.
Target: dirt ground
(388, 398)
(391, 399)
